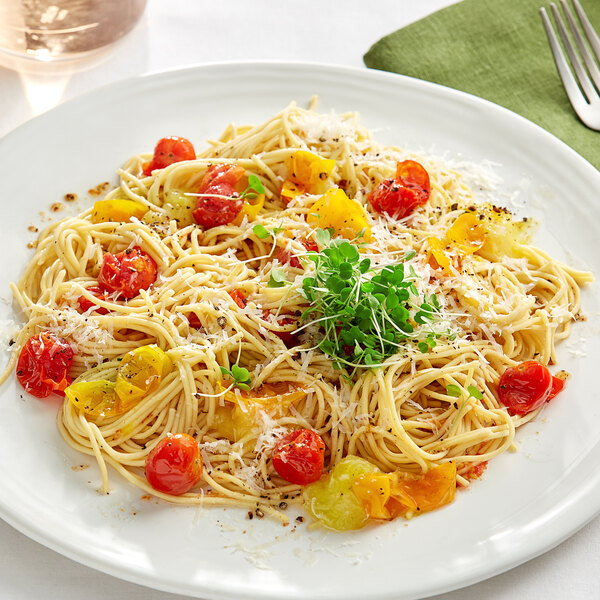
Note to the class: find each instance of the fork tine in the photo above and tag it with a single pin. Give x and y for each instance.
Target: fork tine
(583, 49)
(571, 87)
(584, 80)
(592, 36)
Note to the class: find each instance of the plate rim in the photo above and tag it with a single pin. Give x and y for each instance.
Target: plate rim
(120, 571)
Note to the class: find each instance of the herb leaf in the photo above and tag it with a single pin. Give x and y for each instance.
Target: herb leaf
(453, 390)
(366, 313)
(254, 189)
(240, 375)
(277, 279)
(473, 391)
(261, 231)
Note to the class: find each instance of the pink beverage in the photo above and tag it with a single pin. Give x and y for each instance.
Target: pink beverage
(64, 29)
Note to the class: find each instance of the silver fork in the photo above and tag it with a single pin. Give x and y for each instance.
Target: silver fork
(584, 89)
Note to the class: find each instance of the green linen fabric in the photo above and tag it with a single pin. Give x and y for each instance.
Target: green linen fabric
(495, 49)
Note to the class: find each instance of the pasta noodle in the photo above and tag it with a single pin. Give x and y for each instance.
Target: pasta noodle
(505, 303)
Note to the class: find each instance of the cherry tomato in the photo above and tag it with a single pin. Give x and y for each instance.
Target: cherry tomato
(527, 386)
(398, 197)
(309, 245)
(557, 386)
(170, 150)
(43, 365)
(141, 372)
(474, 471)
(299, 456)
(85, 304)
(174, 466)
(225, 205)
(284, 256)
(127, 272)
(287, 337)
(194, 320)
(238, 298)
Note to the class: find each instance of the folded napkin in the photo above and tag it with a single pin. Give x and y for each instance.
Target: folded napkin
(495, 49)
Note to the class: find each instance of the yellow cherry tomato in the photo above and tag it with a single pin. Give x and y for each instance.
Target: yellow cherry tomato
(117, 210)
(179, 207)
(271, 396)
(335, 210)
(467, 233)
(309, 170)
(141, 372)
(239, 416)
(331, 501)
(233, 422)
(438, 256)
(289, 190)
(250, 209)
(96, 398)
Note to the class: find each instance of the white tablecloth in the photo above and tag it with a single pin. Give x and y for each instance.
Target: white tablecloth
(177, 33)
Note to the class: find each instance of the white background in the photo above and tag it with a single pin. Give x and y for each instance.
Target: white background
(175, 33)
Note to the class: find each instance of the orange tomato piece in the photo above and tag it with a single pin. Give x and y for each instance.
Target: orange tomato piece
(373, 491)
(438, 257)
(390, 495)
(422, 493)
(238, 297)
(467, 233)
(289, 190)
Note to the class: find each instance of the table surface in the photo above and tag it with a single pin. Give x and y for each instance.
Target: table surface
(184, 32)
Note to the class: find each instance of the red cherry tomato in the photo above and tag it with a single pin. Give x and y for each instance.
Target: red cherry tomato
(238, 298)
(284, 256)
(309, 245)
(287, 337)
(557, 386)
(174, 466)
(475, 471)
(127, 272)
(43, 365)
(225, 205)
(400, 196)
(194, 320)
(527, 386)
(170, 150)
(299, 456)
(85, 304)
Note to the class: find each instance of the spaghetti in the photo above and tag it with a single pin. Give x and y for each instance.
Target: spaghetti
(242, 318)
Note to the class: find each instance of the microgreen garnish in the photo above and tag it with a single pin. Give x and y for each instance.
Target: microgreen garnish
(367, 314)
(262, 232)
(453, 390)
(473, 391)
(323, 236)
(240, 376)
(277, 279)
(255, 187)
(456, 392)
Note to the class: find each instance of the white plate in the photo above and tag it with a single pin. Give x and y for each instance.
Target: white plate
(526, 502)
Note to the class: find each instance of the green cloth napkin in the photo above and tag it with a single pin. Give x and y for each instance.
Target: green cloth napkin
(495, 49)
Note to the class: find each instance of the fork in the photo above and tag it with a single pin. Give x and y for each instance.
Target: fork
(582, 89)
